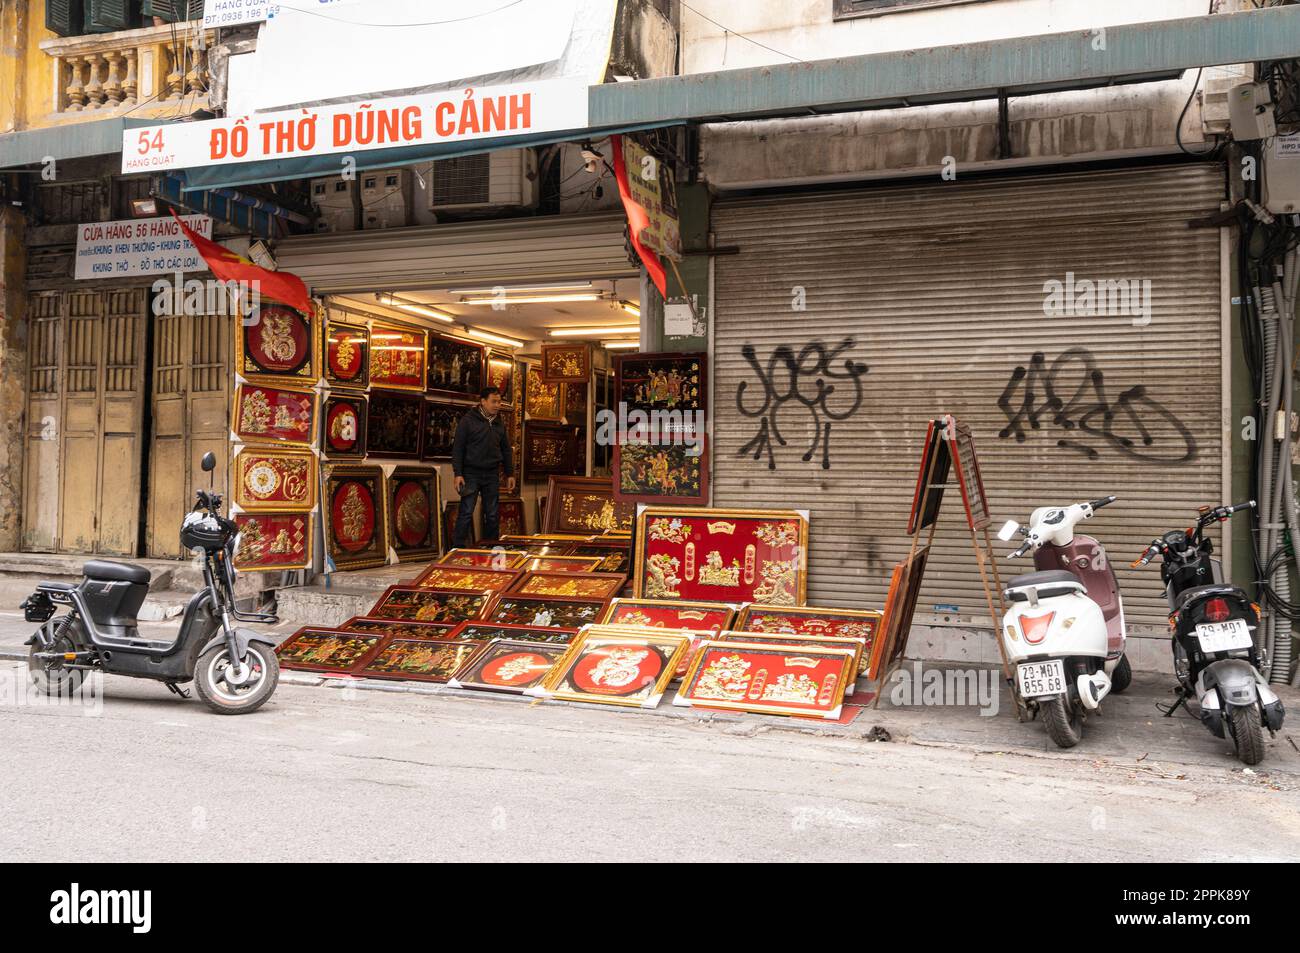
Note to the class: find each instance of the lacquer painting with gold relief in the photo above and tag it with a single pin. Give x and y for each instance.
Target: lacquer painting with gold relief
(566, 363)
(569, 585)
(395, 425)
(429, 605)
(320, 649)
(466, 578)
(419, 660)
(617, 669)
(347, 355)
(585, 505)
(542, 400)
(545, 612)
(510, 516)
(270, 542)
(561, 564)
(278, 342)
(397, 356)
(722, 555)
(550, 449)
(501, 375)
(414, 504)
(861, 624)
(274, 415)
(514, 667)
(355, 530)
(269, 480)
(487, 631)
(495, 558)
(343, 426)
(769, 679)
(670, 614)
(398, 627)
(856, 646)
(457, 368)
(614, 556)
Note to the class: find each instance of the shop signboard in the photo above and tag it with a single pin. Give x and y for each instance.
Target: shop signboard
(455, 115)
(138, 246)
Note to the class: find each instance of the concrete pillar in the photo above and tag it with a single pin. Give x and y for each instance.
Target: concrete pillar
(13, 373)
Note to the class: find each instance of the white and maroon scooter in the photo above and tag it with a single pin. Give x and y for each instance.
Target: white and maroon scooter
(1064, 631)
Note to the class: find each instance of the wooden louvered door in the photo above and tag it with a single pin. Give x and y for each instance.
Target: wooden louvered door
(86, 392)
(191, 415)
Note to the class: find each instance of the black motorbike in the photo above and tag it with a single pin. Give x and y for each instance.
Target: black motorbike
(235, 670)
(1216, 659)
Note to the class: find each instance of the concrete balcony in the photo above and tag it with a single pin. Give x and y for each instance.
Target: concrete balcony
(143, 71)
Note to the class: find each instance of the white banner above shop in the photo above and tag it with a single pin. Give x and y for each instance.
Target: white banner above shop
(310, 55)
(138, 246)
(457, 115)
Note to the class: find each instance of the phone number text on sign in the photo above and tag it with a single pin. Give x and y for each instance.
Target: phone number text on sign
(457, 115)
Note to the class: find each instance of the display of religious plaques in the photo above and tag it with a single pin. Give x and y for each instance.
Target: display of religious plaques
(397, 356)
(467, 578)
(646, 472)
(617, 668)
(355, 529)
(514, 667)
(414, 505)
(347, 355)
(566, 363)
(439, 424)
(662, 382)
(549, 449)
(429, 605)
(343, 426)
(574, 585)
(863, 625)
(546, 611)
(670, 614)
(274, 415)
(394, 427)
(418, 660)
(456, 368)
(273, 541)
(585, 505)
(501, 375)
(317, 649)
(722, 555)
(281, 343)
(270, 480)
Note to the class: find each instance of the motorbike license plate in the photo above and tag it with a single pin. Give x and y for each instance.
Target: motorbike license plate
(1038, 679)
(1224, 636)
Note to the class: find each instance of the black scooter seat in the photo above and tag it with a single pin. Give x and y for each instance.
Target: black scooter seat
(1048, 582)
(104, 571)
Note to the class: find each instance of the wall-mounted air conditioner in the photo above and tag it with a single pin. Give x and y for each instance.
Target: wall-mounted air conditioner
(503, 179)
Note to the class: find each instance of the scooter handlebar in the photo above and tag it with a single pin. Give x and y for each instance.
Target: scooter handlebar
(1148, 554)
(1104, 501)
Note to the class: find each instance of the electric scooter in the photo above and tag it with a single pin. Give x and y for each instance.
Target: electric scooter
(1216, 660)
(1064, 631)
(235, 670)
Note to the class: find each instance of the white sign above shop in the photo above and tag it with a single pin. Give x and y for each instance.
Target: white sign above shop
(221, 13)
(138, 246)
(457, 115)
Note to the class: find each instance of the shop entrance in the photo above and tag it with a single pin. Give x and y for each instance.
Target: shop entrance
(84, 409)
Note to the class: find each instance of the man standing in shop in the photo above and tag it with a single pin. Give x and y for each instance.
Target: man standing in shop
(479, 454)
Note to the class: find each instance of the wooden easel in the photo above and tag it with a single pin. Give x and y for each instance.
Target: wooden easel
(947, 445)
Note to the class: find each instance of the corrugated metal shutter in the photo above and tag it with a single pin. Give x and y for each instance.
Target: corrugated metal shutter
(939, 290)
(550, 248)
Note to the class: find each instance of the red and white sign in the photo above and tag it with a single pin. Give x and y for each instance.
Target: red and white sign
(458, 115)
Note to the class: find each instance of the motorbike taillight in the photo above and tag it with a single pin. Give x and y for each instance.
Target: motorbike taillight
(1216, 610)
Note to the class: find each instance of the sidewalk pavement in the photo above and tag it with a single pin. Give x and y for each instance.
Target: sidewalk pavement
(1129, 730)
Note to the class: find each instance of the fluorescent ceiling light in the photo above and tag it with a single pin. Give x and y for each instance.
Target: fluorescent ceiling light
(594, 332)
(630, 308)
(525, 289)
(535, 299)
(493, 338)
(415, 308)
(620, 345)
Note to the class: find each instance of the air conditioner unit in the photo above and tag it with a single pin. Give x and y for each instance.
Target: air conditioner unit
(332, 197)
(502, 179)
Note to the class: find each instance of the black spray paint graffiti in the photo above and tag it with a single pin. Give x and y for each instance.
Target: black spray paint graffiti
(1134, 424)
(809, 380)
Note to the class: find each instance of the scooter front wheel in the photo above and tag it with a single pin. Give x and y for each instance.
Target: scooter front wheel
(1064, 720)
(231, 690)
(1247, 733)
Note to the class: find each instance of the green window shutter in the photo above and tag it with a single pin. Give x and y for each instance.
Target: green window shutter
(174, 10)
(63, 17)
(105, 16)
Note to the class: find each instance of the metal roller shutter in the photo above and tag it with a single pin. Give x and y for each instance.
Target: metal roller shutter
(553, 248)
(939, 290)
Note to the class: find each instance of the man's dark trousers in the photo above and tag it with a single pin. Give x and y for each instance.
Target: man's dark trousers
(484, 483)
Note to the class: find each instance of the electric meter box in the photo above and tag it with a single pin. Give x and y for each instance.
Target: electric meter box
(1250, 112)
(1282, 175)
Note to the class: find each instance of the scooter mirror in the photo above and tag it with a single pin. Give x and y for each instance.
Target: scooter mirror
(209, 462)
(1008, 531)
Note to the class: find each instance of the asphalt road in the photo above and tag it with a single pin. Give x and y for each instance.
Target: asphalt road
(327, 774)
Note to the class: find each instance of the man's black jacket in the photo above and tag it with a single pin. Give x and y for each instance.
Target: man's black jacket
(481, 444)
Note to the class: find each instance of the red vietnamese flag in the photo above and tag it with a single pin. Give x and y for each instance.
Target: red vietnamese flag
(637, 219)
(227, 266)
